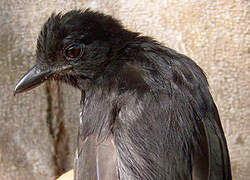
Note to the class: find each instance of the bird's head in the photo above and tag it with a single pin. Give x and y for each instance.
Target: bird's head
(73, 46)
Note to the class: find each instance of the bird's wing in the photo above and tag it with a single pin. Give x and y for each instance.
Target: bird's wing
(169, 131)
(211, 160)
(219, 162)
(165, 141)
(188, 81)
(153, 139)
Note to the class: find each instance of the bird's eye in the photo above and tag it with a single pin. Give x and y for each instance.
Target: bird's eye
(74, 51)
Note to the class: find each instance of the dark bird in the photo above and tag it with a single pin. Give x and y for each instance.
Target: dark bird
(147, 104)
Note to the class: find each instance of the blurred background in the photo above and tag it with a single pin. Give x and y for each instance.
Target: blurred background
(38, 129)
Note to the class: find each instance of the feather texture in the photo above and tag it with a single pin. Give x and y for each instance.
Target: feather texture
(147, 113)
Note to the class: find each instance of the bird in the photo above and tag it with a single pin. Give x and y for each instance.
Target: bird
(147, 104)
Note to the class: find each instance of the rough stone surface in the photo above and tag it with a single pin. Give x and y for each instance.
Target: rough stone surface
(213, 33)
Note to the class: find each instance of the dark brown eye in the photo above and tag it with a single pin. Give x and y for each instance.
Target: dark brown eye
(74, 51)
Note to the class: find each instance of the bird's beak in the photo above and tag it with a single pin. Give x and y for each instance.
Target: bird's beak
(33, 78)
(36, 76)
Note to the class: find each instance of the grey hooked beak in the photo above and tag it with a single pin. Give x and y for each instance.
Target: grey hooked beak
(35, 76)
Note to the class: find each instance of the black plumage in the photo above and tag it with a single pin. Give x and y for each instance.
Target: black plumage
(149, 102)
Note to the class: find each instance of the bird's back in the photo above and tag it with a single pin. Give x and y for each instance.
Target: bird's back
(161, 116)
